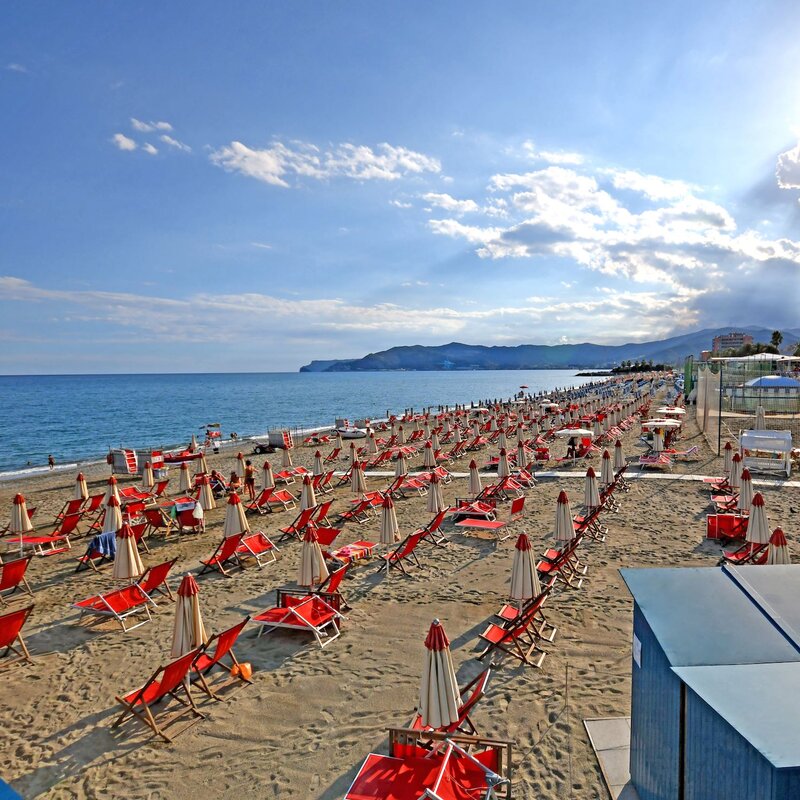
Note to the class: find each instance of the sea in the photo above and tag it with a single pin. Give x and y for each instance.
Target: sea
(77, 418)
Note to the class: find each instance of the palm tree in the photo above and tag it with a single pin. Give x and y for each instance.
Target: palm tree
(777, 338)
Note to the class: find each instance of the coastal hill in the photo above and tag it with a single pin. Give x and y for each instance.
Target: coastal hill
(457, 356)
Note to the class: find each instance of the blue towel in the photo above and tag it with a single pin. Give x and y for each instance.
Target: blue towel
(105, 544)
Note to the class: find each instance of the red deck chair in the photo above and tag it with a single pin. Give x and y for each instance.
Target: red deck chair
(469, 696)
(296, 528)
(321, 516)
(361, 512)
(431, 533)
(477, 509)
(154, 580)
(167, 681)
(259, 546)
(12, 577)
(332, 456)
(49, 544)
(404, 552)
(564, 565)
(95, 554)
(317, 614)
(11, 640)
(331, 586)
(224, 554)
(68, 509)
(748, 553)
(261, 504)
(326, 484)
(119, 605)
(159, 489)
(158, 520)
(205, 661)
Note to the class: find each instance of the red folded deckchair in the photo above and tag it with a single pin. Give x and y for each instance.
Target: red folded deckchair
(11, 640)
(167, 681)
(206, 661)
(12, 577)
(224, 554)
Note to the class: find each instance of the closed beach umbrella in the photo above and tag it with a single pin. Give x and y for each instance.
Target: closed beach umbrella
(745, 498)
(761, 421)
(372, 445)
(187, 631)
(606, 472)
(439, 697)
(565, 531)
(728, 459)
(426, 429)
(521, 456)
(148, 481)
(112, 518)
(267, 477)
(286, 458)
(318, 468)
(81, 490)
(389, 526)
(184, 485)
(591, 494)
(428, 459)
(307, 497)
(457, 435)
(778, 549)
(502, 440)
(337, 440)
(758, 524)
(235, 520)
(658, 440)
(476, 428)
(201, 465)
(736, 471)
(619, 456)
(401, 436)
(435, 500)
(111, 488)
(357, 483)
(193, 443)
(353, 454)
(524, 578)
(238, 465)
(312, 570)
(127, 561)
(435, 443)
(206, 496)
(596, 429)
(520, 435)
(20, 521)
(503, 468)
(474, 479)
(534, 429)
(400, 466)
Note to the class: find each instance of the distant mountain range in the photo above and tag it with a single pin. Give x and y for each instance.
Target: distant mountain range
(457, 356)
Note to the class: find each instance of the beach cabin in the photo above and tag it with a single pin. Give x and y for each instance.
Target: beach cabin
(767, 451)
(715, 683)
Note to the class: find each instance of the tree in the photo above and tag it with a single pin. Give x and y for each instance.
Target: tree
(777, 338)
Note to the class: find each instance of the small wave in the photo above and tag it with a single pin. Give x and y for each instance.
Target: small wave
(29, 471)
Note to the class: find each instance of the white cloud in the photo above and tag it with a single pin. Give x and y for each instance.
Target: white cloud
(449, 203)
(175, 143)
(788, 168)
(400, 204)
(651, 186)
(280, 162)
(261, 245)
(149, 127)
(550, 156)
(14, 67)
(149, 148)
(123, 142)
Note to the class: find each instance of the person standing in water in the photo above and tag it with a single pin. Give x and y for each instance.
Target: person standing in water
(51, 462)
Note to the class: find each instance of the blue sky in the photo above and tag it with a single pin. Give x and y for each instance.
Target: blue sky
(204, 186)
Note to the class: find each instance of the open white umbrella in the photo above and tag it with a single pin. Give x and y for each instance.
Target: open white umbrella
(728, 459)
(735, 479)
(565, 530)
(235, 519)
(400, 466)
(474, 479)
(435, 499)
(745, 498)
(184, 484)
(267, 477)
(286, 458)
(778, 549)
(307, 497)
(439, 697)
(81, 490)
(591, 494)
(389, 526)
(312, 569)
(148, 482)
(188, 631)
(127, 561)
(503, 468)
(111, 488)
(758, 524)
(112, 518)
(606, 472)
(358, 484)
(428, 460)
(206, 496)
(524, 578)
(761, 419)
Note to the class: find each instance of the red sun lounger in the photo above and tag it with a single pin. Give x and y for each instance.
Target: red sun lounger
(119, 605)
(206, 660)
(259, 546)
(11, 640)
(12, 577)
(317, 614)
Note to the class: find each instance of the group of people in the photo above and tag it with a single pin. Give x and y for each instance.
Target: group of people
(220, 487)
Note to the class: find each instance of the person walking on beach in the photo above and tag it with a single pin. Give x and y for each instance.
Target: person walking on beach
(250, 479)
(51, 462)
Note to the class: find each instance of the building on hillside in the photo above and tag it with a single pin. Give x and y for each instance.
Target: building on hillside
(730, 341)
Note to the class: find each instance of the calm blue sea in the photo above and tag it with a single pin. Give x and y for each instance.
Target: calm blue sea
(78, 417)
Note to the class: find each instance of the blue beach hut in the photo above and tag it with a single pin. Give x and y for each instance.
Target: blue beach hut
(715, 685)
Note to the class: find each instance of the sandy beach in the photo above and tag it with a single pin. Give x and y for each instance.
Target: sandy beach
(311, 716)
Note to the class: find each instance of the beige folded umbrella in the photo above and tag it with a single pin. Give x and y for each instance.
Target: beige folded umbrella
(760, 423)
(201, 465)
(372, 445)
(524, 578)
(435, 499)
(312, 570)
(206, 496)
(184, 484)
(20, 521)
(606, 472)
(353, 454)
(435, 442)
(357, 482)
(111, 488)
(591, 494)
(127, 561)
(337, 440)
(534, 429)
(778, 549)
(112, 518)
(565, 531)
(400, 466)
(658, 440)
(235, 519)
(148, 482)
(503, 468)
(597, 429)
(457, 437)
(758, 524)
(520, 435)
(267, 476)
(522, 456)
(401, 436)
(188, 631)
(193, 443)
(728, 459)
(307, 497)
(476, 428)
(619, 456)
(474, 479)
(389, 526)
(238, 465)
(426, 429)
(81, 490)
(745, 498)
(428, 461)
(318, 468)
(502, 441)
(439, 697)
(286, 458)
(735, 479)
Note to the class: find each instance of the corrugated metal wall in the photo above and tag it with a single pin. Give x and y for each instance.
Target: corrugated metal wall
(655, 718)
(720, 762)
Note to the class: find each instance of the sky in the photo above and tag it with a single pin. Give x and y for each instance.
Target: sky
(191, 187)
